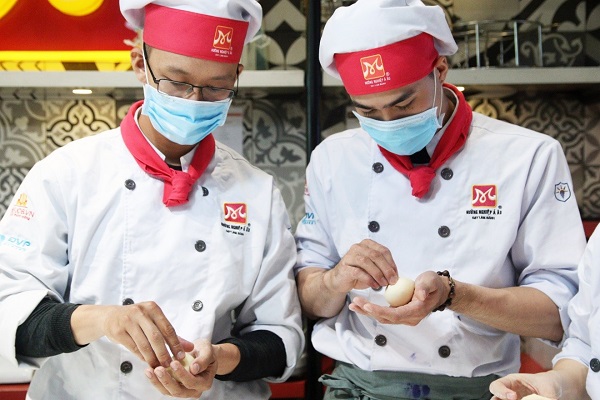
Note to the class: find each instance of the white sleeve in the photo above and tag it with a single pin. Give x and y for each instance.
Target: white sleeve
(273, 304)
(33, 252)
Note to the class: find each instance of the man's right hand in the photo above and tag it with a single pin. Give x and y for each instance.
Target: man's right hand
(142, 328)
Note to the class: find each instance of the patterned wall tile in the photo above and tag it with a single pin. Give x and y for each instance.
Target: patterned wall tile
(10, 179)
(275, 141)
(21, 137)
(591, 163)
(69, 120)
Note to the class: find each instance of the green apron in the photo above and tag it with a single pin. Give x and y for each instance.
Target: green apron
(349, 382)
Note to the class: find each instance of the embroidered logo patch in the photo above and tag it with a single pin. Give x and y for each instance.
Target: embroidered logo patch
(20, 209)
(223, 37)
(310, 219)
(484, 196)
(235, 212)
(372, 67)
(562, 192)
(235, 218)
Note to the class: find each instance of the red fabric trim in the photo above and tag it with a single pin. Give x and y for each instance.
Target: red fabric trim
(453, 140)
(178, 184)
(388, 67)
(194, 35)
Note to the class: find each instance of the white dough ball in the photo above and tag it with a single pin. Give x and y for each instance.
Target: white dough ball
(535, 397)
(400, 293)
(186, 363)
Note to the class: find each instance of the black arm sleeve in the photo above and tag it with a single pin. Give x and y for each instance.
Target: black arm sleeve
(262, 355)
(47, 331)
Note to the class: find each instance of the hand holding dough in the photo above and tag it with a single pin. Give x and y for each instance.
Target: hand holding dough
(186, 363)
(535, 397)
(400, 293)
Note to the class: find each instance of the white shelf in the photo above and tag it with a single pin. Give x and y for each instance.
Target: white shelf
(583, 76)
(96, 79)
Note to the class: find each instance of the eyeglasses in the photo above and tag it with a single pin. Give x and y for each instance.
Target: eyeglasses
(186, 90)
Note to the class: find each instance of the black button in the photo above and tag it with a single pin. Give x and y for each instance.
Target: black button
(200, 246)
(447, 174)
(127, 302)
(378, 167)
(378, 289)
(197, 306)
(444, 351)
(204, 191)
(595, 364)
(380, 340)
(444, 231)
(374, 226)
(129, 184)
(126, 367)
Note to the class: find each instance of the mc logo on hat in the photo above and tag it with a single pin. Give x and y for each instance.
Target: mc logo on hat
(372, 67)
(223, 37)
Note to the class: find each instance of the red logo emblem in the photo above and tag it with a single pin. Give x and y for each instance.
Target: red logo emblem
(372, 67)
(484, 196)
(223, 37)
(235, 212)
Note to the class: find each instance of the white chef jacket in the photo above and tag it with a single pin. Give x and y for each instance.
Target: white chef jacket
(88, 226)
(500, 212)
(583, 339)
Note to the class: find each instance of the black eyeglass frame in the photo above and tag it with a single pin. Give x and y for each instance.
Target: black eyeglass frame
(231, 93)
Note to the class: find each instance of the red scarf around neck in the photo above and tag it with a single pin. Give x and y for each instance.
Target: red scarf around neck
(178, 184)
(452, 140)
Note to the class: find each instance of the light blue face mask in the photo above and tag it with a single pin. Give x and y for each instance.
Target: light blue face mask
(180, 120)
(404, 136)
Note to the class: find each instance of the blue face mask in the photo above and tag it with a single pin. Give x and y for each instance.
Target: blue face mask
(404, 136)
(180, 120)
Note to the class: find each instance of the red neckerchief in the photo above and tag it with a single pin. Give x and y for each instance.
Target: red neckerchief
(452, 140)
(178, 184)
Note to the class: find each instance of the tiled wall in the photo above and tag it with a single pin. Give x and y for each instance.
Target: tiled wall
(275, 125)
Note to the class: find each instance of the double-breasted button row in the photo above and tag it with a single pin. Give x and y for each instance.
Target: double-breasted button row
(446, 173)
(595, 364)
(443, 351)
(130, 184)
(127, 301)
(380, 340)
(198, 305)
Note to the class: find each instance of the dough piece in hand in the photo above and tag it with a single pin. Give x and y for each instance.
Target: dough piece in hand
(536, 397)
(400, 293)
(186, 363)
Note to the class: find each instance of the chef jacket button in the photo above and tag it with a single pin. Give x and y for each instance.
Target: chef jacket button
(204, 191)
(447, 174)
(127, 302)
(130, 184)
(378, 289)
(595, 364)
(380, 340)
(444, 351)
(200, 246)
(444, 231)
(374, 226)
(197, 306)
(126, 367)
(378, 167)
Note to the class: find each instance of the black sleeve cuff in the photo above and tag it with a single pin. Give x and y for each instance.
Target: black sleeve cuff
(262, 355)
(47, 331)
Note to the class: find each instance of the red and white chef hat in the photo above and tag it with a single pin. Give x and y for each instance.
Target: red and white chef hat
(214, 30)
(378, 45)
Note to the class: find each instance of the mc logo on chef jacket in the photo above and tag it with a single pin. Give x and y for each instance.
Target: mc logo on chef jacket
(372, 67)
(484, 196)
(223, 37)
(235, 212)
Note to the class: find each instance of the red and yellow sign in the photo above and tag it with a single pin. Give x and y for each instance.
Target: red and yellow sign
(56, 35)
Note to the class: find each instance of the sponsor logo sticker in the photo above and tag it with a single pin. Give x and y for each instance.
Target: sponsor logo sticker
(20, 209)
(562, 192)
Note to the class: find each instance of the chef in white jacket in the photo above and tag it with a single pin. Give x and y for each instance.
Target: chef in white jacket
(479, 213)
(576, 371)
(122, 251)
